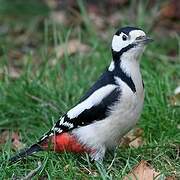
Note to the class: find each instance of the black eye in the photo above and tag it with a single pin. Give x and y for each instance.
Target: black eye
(124, 37)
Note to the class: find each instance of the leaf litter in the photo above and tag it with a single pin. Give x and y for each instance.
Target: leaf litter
(175, 99)
(71, 47)
(142, 171)
(133, 138)
(13, 137)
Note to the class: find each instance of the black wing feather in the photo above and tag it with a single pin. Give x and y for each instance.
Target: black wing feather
(95, 113)
(106, 78)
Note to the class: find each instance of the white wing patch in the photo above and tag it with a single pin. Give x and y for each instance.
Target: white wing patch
(112, 66)
(57, 129)
(91, 101)
(61, 121)
(67, 124)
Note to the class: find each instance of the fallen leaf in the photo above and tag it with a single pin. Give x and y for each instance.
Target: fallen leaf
(175, 99)
(171, 10)
(14, 137)
(172, 53)
(93, 8)
(115, 19)
(52, 3)
(136, 142)
(59, 17)
(98, 21)
(133, 138)
(170, 178)
(1, 73)
(14, 72)
(71, 47)
(143, 171)
(88, 171)
(167, 19)
(15, 54)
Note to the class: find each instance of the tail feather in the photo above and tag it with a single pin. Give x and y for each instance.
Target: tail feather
(59, 143)
(26, 152)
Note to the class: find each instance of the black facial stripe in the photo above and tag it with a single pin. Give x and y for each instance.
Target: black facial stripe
(127, 80)
(117, 54)
(123, 76)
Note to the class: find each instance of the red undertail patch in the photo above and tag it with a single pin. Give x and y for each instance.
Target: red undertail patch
(65, 142)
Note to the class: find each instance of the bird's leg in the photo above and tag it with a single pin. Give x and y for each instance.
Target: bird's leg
(98, 154)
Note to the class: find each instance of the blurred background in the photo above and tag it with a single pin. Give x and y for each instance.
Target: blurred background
(51, 51)
(26, 25)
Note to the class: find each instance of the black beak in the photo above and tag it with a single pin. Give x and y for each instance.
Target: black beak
(148, 40)
(143, 40)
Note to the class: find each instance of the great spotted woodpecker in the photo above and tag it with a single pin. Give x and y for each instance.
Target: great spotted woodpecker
(108, 110)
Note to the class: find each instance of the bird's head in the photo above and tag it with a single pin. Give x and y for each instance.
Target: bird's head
(129, 42)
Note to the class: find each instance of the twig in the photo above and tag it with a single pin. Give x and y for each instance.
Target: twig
(89, 172)
(112, 162)
(42, 101)
(33, 172)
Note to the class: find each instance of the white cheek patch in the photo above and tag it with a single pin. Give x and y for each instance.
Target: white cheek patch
(118, 43)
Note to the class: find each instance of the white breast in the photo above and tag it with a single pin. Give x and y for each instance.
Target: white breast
(123, 116)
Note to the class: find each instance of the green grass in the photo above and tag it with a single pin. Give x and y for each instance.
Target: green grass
(58, 87)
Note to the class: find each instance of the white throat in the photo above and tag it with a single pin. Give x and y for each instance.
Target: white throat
(130, 60)
(129, 64)
(131, 67)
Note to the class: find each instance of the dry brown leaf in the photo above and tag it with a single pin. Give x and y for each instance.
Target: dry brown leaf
(136, 142)
(14, 137)
(175, 99)
(170, 178)
(15, 55)
(133, 138)
(88, 171)
(52, 3)
(1, 73)
(171, 10)
(114, 19)
(98, 21)
(14, 72)
(59, 17)
(71, 47)
(143, 171)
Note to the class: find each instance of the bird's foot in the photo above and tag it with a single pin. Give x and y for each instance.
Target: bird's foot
(98, 154)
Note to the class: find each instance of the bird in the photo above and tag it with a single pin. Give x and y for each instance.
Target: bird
(108, 110)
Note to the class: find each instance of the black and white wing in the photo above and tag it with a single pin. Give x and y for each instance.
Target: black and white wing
(94, 106)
